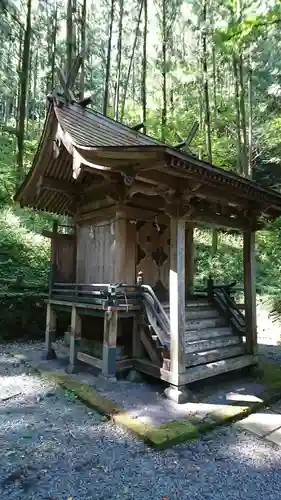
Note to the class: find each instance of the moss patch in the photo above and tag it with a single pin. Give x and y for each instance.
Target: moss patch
(86, 394)
(173, 432)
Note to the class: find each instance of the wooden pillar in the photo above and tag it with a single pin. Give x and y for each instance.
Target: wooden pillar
(250, 290)
(109, 343)
(52, 269)
(50, 332)
(75, 335)
(177, 309)
(189, 260)
(120, 239)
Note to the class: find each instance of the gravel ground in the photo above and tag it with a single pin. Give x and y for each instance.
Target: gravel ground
(54, 448)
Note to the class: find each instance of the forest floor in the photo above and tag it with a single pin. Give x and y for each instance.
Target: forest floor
(54, 448)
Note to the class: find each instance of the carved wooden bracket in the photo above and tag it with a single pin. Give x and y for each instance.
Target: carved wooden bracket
(176, 206)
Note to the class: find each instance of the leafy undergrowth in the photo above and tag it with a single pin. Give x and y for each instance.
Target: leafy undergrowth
(21, 250)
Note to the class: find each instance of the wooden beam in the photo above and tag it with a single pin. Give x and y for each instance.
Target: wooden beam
(250, 290)
(58, 185)
(63, 81)
(75, 334)
(71, 77)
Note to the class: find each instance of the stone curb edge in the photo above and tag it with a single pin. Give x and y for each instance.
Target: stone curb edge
(162, 436)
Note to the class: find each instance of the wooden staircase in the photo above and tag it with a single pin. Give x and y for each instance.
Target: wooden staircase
(212, 344)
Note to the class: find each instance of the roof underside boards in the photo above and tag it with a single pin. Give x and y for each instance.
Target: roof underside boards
(100, 143)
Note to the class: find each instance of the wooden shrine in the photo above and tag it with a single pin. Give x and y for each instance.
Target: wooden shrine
(125, 268)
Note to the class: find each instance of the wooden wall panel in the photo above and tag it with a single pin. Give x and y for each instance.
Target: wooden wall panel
(96, 251)
(64, 255)
(153, 256)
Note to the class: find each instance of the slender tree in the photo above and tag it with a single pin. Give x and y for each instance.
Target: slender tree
(144, 66)
(108, 59)
(119, 60)
(83, 49)
(126, 84)
(23, 90)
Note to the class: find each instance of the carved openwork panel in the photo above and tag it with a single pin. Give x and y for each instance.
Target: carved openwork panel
(153, 256)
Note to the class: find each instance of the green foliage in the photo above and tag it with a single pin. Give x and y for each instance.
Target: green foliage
(21, 249)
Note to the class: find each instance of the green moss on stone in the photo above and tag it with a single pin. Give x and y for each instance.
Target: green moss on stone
(87, 394)
(172, 433)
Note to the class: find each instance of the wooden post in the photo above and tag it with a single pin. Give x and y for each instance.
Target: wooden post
(109, 343)
(50, 333)
(75, 335)
(121, 245)
(250, 290)
(189, 260)
(177, 309)
(52, 270)
(136, 340)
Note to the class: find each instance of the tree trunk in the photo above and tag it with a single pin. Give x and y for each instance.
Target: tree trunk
(243, 117)
(23, 91)
(69, 35)
(207, 109)
(250, 125)
(108, 60)
(164, 72)
(130, 63)
(214, 69)
(119, 60)
(238, 119)
(54, 47)
(83, 49)
(144, 66)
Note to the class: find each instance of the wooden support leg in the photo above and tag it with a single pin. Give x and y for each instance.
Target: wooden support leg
(250, 291)
(109, 344)
(50, 333)
(177, 310)
(189, 260)
(75, 335)
(136, 340)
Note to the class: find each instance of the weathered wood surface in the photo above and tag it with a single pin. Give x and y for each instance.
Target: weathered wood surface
(198, 324)
(90, 360)
(201, 372)
(177, 295)
(204, 357)
(250, 290)
(208, 333)
(153, 255)
(216, 343)
(96, 253)
(65, 258)
(150, 348)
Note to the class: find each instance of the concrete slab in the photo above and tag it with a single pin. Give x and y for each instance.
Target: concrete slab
(262, 423)
(274, 437)
(276, 407)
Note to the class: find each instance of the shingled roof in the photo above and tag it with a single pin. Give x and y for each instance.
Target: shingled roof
(74, 137)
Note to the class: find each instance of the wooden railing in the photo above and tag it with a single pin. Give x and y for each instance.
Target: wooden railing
(222, 297)
(103, 294)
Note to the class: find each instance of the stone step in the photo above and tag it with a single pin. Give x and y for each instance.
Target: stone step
(200, 358)
(208, 333)
(202, 324)
(216, 343)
